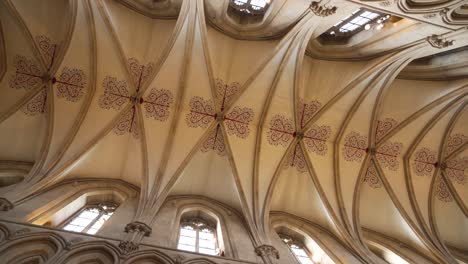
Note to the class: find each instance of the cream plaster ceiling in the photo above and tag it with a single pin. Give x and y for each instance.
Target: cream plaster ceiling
(177, 99)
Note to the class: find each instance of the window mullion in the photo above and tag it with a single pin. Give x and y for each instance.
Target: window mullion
(197, 244)
(93, 222)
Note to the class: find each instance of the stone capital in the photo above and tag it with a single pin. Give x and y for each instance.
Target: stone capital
(128, 246)
(5, 205)
(322, 10)
(439, 42)
(267, 251)
(139, 227)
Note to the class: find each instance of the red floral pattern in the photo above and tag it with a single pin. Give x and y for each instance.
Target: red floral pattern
(237, 121)
(201, 112)
(454, 142)
(281, 130)
(70, 84)
(306, 111)
(115, 94)
(383, 127)
(355, 147)
(47, 50)
(157, 104)
(128, 123)
(442, 191)
(27, 75)
(372, 177)
(215, 142)
(387, 155)
(37, 105)
(139, 72)
(424, 162)
(225, 92)
(315, 139)
(296, 159)
(456, 169)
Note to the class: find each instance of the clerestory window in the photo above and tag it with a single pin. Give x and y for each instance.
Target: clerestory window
(250, 7)
(90, 218)
(197, 235)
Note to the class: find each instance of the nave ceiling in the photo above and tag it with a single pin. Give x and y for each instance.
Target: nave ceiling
(178, 99)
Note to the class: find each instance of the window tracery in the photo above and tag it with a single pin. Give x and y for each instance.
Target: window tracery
(197, 235)
(300, 252)
(250, 7)
(90, 219)
(361, 19)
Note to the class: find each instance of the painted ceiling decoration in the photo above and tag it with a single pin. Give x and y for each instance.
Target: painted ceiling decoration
(180, 99)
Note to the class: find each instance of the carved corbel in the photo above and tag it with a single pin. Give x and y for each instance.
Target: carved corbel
(5, 205)
(439, 42)
(267, 251)
(135, 233)
(322, 10)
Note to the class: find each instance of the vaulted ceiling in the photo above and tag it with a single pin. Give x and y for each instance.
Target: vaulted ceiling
(177, 98)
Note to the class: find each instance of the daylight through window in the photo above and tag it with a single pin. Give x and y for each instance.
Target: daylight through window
(198, 236)
(90, 219)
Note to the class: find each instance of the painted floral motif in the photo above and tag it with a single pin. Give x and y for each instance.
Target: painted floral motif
(27, 74)
(355, 147)
(47, 50)
(424, 162)
(70, 84)
(157, 104)
(215, 142)
(454, 142)
(372, 177)
(306, 111)
(316, 137)
(456, 168)
(387, 155)
(201, 113)
(237, 121)
(139, 72)
(442, 191)
(37, 105)
(128, 123)
(281, 130)
(115, 94)
(226, 92)
(296, 159)
(383, 127)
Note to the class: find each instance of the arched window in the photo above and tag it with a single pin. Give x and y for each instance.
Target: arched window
(198, 235)
(250, 7)
(299, 251)
(90, 218)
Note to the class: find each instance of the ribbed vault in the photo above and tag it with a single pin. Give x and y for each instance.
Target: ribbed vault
(181, 101)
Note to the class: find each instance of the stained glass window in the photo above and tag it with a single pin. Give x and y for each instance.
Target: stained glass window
(196, 235)
(90, 219)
